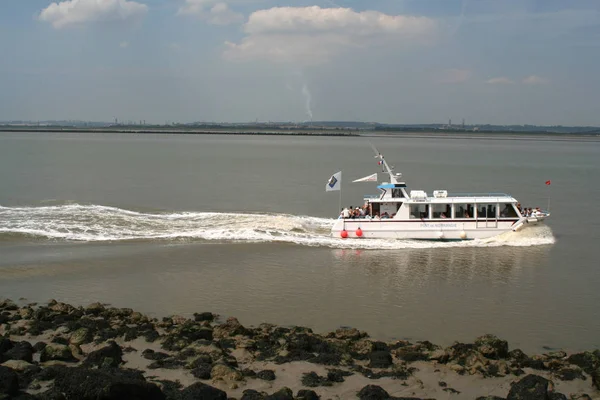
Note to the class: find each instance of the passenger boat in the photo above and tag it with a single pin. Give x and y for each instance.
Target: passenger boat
(396, 213)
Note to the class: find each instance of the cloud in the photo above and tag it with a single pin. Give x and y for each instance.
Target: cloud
(454, 76)
(215, 12)
(535, 80)
(124, 45)
(501, 80)
(76, 12)
(315, 34)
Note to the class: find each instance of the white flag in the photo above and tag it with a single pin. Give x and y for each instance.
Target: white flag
(334, 183)
(370, 178)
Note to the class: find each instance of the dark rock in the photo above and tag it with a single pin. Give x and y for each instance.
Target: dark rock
(409, 354)
(9, 381)
(151, 336)
(150, 354)
(60, 340)
(202, 391)
(58, 352)
(372, 392)
(20, 351)
(442, 384)
(490, 398)
(326, 359)
(84, 383)
(380, 359)
(167, 363)
(202, 371)
(111, 355)
(337, 375)
(5, 345)
(24, 396)
(380, 346)
(557, 396)
(587, 361)
(492, 347)
(227, 343)
(249, 373)
(304, 394)
(531, 387)
(52, 394)
(39, 346)
(170, 389)
(200, 360)
(251, 394)
(205, 316)
(311, 379)
(282, 394)
(131, 334)
(450, 390)
(568, 374)
(266, 375)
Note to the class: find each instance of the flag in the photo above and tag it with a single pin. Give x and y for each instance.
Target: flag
(547, 182)
(370, 178)
(380, 162)
(334, 183)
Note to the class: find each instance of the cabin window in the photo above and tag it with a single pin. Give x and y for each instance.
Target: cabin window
(486, 211)
(441, 211)
(508, 211)
(463, 211)
(397, 193)
(419, 211)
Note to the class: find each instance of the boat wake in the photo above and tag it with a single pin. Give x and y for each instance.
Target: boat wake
(94, 223)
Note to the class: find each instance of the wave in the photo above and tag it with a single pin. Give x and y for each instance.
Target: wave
(95, 223)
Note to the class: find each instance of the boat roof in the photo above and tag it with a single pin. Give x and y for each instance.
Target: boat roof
(451, 198)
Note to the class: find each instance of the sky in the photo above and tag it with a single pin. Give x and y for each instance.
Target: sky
(387, 61)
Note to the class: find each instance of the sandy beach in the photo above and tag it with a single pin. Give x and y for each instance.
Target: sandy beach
(59, 351)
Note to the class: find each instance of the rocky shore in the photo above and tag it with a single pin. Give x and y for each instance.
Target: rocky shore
(58, 351)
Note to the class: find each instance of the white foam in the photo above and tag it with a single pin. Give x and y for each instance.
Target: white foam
(102, 223)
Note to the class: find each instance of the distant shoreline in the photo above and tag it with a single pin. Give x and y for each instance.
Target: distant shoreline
(409, 133)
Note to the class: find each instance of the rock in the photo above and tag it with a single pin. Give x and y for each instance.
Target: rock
(580, 396)
(372, 392)
(202, 391)
(58, 352)
(312, 379)
(492, 347)
(111, 355)
(348, 334)
(490, 398)
(95, 308)
(202, 371)
(266, 375)
(151, 335)
(531, 387)
(251, 394)
(226, 373)
(81, 336)
(568, 374)
(8, 305)
(5, 345)
(304, 394)
(230, 328)
(205, 316)
(84, 383)
(281, 394)
(150, 354)
(39, 346)
(19, 351)
(587, 361)
(380, 359)
(9, 381)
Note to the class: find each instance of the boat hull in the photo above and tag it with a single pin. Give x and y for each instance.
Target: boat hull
(423, 230)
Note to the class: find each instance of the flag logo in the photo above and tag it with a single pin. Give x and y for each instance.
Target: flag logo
(332, 181)
(547, 182)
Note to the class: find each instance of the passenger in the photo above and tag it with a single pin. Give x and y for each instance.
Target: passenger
(443, 215)
(345, 213)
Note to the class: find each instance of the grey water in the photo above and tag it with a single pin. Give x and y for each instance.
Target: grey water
(537, 294)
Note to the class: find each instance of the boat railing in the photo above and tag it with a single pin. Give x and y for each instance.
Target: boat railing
(478, 195)
(371, 196)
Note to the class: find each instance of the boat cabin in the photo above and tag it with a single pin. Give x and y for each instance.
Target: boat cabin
(396, 203)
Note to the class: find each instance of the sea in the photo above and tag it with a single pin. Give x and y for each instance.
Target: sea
(239, 225)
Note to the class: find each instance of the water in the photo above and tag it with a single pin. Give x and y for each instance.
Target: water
(239, 225)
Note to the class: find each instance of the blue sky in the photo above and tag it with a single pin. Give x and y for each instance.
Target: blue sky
(393, 61)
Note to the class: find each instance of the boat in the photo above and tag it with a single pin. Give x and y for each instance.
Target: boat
(397, 213)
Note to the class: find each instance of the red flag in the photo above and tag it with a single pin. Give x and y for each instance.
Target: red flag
(547, 182)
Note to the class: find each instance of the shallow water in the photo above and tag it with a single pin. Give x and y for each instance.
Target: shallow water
(239, 226)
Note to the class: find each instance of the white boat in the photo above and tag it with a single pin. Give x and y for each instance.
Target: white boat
(397, 213)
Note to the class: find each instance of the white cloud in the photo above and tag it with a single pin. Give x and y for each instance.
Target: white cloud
(213, 11)
(315, 34)
(501, 80)
(124, 45)
(535, 80)
(454, 76)
(76, 12)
